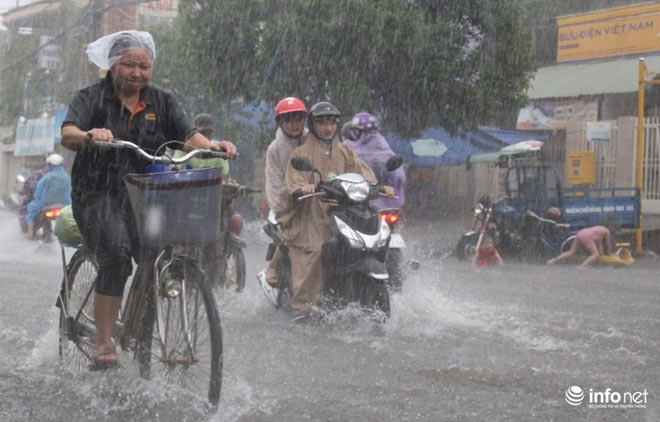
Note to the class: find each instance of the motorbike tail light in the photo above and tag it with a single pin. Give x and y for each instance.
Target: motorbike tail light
(53, 214)
(390, 218)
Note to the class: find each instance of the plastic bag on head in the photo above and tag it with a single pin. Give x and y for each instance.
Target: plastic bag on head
(107, 50)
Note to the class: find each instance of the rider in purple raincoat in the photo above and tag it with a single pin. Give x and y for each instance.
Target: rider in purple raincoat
(362, 135)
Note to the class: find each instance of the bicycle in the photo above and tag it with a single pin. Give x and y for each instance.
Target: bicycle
(179, 337)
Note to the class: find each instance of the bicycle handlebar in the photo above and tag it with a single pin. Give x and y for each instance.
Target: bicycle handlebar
(166, 159)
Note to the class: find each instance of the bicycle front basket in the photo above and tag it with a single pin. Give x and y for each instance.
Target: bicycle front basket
(177, 207)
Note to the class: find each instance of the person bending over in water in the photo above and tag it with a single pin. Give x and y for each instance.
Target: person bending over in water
(597, 240)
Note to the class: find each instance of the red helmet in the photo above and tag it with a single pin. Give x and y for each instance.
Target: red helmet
(289, 105)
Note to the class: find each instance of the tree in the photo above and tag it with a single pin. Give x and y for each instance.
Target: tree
(417, 63)
(25, 88)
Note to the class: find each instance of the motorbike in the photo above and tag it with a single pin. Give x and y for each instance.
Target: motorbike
(394, 258)
(15, 200)
(224, 261)
(279, 295)
(500, 220)
(231, 265)
(354, 257)
(43, 223)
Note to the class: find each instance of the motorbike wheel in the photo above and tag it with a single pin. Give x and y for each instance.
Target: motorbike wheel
(43, 230)
(235, 268)
(375, 296)
(394, 262)
(467, 247)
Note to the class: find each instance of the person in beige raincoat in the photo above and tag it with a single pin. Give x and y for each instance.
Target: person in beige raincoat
(305, 225)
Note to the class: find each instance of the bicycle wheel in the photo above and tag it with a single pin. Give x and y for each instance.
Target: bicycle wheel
(181, 343)
(235, 268)
(77, 330)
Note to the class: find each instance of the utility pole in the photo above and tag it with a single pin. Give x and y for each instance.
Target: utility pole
(97, 7)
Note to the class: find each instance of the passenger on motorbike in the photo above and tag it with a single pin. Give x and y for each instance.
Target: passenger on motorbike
(290, 115)
(54, 188)
(205, 124)
(213, 256)
(122, 105)
(27, 193)
(361, 133)
(305, 225)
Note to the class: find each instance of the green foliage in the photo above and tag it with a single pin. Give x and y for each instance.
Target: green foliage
(417, 63)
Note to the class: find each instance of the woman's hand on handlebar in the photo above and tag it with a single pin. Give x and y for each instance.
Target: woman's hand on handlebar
(199, 141)
(97, 134)
(226, 146)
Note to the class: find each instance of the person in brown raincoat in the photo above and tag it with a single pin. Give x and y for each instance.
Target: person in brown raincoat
(305, 225)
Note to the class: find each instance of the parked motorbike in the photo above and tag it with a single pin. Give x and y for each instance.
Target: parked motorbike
(353, 258)
(44, 222)
(500, 220)
(14, 200)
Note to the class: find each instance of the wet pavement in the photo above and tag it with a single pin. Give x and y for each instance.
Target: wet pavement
(463, 344)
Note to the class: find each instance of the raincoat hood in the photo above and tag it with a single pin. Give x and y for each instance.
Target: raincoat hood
(373, 148)
(107, 50)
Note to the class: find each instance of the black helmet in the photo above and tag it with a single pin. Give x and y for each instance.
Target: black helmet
(321, 109)
(204, 123)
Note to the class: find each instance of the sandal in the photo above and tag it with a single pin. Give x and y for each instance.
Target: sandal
(100, 360)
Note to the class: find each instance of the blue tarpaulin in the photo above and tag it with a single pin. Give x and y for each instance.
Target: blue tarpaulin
(460, 145)
(511, 137)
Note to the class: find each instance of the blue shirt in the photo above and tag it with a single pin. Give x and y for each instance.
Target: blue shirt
(53, 189)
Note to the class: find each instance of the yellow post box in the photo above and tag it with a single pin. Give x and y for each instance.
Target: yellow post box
(581, 168)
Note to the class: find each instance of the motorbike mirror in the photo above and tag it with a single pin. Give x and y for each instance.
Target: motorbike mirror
(21, 178)
(394, 162)
(302, 164)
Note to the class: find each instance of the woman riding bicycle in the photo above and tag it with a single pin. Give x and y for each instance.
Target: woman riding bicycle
(123, 105)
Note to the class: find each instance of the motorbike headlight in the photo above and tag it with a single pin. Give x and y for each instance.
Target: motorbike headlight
(351, 235)
(357, 192)
(384, 234)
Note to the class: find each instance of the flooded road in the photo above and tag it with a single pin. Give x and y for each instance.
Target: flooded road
(462, 344)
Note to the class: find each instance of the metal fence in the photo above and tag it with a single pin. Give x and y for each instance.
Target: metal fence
(651, 192)
(605, 153)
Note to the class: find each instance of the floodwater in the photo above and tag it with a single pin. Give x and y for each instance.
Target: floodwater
(499, 344)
